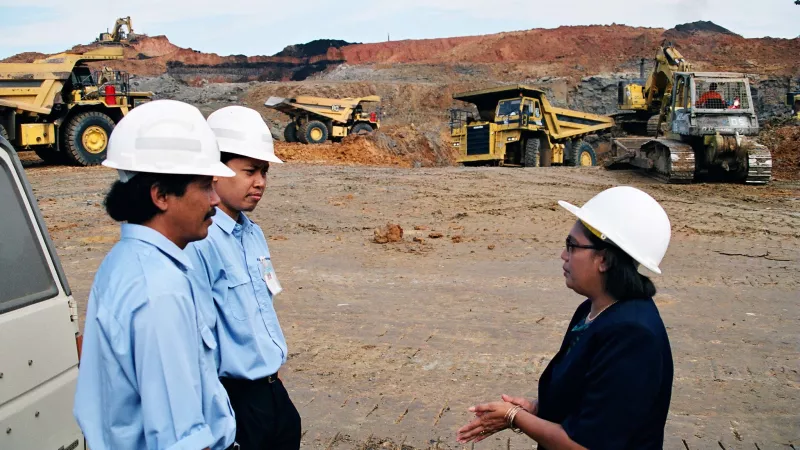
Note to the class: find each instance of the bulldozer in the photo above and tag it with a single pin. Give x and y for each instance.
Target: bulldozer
(703, 133)
(61, 109)
(117, 35)
(686, 126)
(517, 126)
(640, 101)
(315, 120)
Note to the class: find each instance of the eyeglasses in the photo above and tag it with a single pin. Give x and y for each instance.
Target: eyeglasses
(571, 245)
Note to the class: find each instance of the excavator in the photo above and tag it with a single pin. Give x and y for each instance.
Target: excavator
(700, 126)
(640, 101)
(793, 100)
(117, 35)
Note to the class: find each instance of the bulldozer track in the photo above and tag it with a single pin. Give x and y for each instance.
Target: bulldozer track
(652, 125)
(673, 162)
(759, 165)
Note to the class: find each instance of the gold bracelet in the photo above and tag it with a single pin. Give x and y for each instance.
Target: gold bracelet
(511, 421)
(509, 412)
(510, 415)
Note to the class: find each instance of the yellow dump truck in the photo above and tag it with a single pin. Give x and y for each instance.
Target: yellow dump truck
(318, 119)
(517, 126)
(61, 109)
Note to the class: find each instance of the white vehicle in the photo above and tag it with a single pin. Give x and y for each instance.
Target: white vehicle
(39, 338)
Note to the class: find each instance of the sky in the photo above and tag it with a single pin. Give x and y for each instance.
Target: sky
(266, 27)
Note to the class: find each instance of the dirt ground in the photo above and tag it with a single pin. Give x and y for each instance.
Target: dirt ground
(391, 343)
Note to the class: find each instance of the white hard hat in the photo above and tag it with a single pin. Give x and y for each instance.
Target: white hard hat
(164, 136)
(242, 131)
(629, 218)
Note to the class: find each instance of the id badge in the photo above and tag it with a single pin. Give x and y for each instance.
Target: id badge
(270, 278)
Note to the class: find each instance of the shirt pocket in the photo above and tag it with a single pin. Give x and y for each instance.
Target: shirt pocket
(239, 291)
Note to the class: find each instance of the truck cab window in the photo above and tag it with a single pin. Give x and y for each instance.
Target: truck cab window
(509, 107)
(21, 248)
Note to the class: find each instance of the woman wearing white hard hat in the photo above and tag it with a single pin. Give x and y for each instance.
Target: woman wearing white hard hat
(148, 375)
(236, 264)
(609, 386)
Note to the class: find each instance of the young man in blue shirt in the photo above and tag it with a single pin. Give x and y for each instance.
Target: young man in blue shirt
(148, 377)
(235, 261)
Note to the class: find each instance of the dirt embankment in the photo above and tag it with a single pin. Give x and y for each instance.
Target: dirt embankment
(391, 146)
(401, 103)
(784, 142)
(413, 132)
(583, 50)
(155, 55)
(25, 57)
(574, 51)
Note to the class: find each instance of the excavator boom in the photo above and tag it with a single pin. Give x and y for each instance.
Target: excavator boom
(126, 21)
(641, 102)
(116, 34)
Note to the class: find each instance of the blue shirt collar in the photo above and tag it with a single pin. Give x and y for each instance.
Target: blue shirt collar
(226, 223)
(156, 239)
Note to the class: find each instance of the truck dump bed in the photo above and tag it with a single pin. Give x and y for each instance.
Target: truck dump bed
(33, 86)
(336, 109)
(561, 122)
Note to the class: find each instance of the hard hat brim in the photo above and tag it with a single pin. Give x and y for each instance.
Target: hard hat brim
(214, 170)
(268, 158)
(261, 156)
(273, 159)
(617, 240)
(218, 170)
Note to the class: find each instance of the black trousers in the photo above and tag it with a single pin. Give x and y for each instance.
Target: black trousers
(265, 415)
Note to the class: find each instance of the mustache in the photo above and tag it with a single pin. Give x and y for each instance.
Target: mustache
(210, 214)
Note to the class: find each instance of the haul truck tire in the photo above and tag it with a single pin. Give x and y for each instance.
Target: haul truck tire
(361, 127)
(531, 157)
(290, 132)
(50, 155)
(314, 132)
(86, 138)
(582, 154)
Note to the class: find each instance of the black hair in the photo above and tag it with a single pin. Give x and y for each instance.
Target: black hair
(224, 157)
(622, 279)
(712, 86)
(131, 202)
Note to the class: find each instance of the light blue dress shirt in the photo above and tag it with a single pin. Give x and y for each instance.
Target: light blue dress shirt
(251, 343)
(147, 376)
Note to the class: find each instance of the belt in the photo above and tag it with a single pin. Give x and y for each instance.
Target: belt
(234, 446)
(244, 383)
(269, 378)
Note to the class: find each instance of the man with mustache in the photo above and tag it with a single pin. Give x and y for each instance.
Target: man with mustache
(148, 377)
(235, 262)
